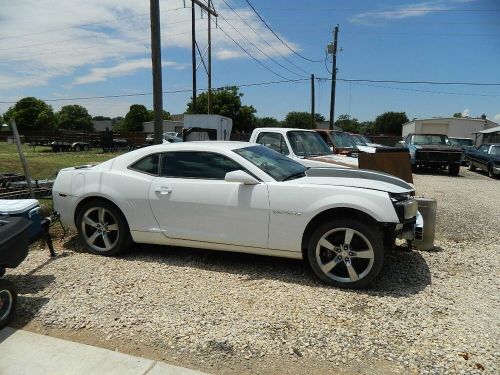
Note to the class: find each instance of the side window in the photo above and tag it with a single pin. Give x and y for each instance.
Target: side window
(484, 149)
(148, 164)
(194, 164)
(274, 141)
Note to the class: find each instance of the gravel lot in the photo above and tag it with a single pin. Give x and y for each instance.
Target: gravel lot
(430, 312)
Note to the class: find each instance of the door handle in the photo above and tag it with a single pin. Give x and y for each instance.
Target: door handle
(163, 190)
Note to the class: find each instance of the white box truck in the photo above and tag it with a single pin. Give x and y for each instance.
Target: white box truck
(222, 125)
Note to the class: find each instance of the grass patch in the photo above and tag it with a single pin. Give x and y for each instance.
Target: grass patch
(43, 163)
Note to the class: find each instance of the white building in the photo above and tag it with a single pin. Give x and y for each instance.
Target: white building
(168, 126)
(450, 126)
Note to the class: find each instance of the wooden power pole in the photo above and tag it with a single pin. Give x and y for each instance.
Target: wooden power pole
(156, 62)
(332, 49)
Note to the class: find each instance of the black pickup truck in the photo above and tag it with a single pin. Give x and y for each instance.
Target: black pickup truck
(433, 151)
(486, 157)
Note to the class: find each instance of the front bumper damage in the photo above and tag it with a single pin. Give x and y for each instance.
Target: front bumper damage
(411, 230)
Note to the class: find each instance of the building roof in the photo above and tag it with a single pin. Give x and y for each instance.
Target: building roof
(451, 118)
(496, 129)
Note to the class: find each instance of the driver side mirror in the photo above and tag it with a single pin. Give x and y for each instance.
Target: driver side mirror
(241, 177)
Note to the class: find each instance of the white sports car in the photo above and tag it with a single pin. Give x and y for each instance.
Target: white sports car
(241, 197)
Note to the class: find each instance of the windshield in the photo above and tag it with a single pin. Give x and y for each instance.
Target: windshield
(430, 139)
(358, 140)
(308, 144)
(342, 140)
(462, 142)
(273, 163)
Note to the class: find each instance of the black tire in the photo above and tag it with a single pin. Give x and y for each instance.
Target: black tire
(78, 148)
(472, 167)
(335, 233)
(8, 301)
(454, 169)
(118, 238)
(2, 271)
(490, 172)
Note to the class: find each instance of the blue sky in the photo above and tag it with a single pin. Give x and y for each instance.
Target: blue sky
(59, 49)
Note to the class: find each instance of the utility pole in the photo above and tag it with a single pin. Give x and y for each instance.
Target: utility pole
(332, 49)
(313, 122)
(194, 46)
(24, 163)
(193, 54)
(156, 63)
(209, 73)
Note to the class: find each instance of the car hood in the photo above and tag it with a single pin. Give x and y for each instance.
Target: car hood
(359, 178)
(438, 148)
(332, 160)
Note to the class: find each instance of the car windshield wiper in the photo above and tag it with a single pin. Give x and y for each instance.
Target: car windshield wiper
(293, 176)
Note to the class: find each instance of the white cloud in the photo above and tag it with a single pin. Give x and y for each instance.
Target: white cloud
(45, 40)
(406, 11)
(497, 118)
(122, 69)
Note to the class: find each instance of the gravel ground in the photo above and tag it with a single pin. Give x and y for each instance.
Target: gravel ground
(429, 312)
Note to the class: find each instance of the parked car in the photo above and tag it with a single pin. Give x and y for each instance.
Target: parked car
(305, 146)
(464, 143)
(486, 157)
(364, 144)
(339, 142)
(433, 151)
(240, 197)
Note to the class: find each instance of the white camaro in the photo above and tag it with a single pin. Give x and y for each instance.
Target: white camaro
(240, 197)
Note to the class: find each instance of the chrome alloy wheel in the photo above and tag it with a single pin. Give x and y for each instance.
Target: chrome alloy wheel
(99, 229)
(6, 300)
(344, 255)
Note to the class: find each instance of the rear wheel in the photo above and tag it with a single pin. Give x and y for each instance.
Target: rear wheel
(454, 169)
(490, 172)
(346, 253)
(472, 167)
(102, 228)
(8, 299)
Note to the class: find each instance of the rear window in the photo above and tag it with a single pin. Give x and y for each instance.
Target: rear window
(148, 164)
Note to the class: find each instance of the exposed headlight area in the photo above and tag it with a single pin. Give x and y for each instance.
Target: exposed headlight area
(405, 205)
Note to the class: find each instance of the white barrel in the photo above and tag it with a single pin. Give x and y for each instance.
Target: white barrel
(427, 208)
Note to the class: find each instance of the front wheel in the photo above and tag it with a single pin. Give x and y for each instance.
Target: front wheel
(491, 174)
(8, 299)
(102, 228)
(346, 253)
(454, 169)
(472, 167)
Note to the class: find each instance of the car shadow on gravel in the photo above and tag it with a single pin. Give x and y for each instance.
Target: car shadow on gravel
(27, 304)
(404, 273)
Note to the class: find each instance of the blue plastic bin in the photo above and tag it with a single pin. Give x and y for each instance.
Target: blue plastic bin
(27, 208)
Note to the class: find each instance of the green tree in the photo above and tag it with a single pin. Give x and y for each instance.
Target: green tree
(390, 123)
(75, 117)
(151, 114)
(348, 123)
(301, 120)
(366, 127)
(458, 115)
(101, 118)
(31, 114)
(226, 101)
(266, 122)
(136, 115)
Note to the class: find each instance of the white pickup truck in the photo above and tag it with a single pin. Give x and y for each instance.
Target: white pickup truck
(305, 146)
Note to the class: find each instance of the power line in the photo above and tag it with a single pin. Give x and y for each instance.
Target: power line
(108, 21)
(265, 41)
(425, 91)
(279, 38)
(371, 11)
(413, 82)
(249, 54)
(258, 49)
(171, 92)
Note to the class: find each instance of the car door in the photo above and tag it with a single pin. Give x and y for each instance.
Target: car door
(192, 201)
(482, 157)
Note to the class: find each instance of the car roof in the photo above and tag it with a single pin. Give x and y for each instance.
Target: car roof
(283, 130)
(200, 145)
